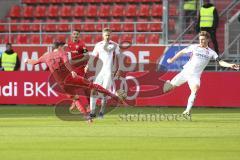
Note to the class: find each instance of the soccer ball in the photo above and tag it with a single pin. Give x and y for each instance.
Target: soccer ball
(121, 94)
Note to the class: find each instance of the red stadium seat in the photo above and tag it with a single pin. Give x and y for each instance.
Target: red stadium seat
(40, 12)
(50, 27)
(115, 25)
(157, 10)
(104, 11)
(48, 39)
(62, 37)
(93, 1)
(127, 37)
(117, 1)
(1, 40)
(66, 11)
(130, 1)
(131, 10)
(35, 27)
(172, 10)
(69, 1)
(118, 11)
(141, 39)
(144, 10)
(22, 39)
(115, 38)
(89, 25)
(153, 39)
(56, 1)
(78, 24)
(97, 38)
(91, 11)
(156, 26)
(171, 25)
(147, 0)
(3, 27)
(15, 11)
(30, 1)
(25, 27)
(143, 25)
(87, 38)
(128, 27)
(64, 27)
(79, 11)
(14, 27)
(53, 11)
(8, 39)
(35, 39)
(102, 23)
(44, 1)
(28, 11)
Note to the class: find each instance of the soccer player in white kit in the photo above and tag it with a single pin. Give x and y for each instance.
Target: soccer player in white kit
(108, 53)
(192, 70)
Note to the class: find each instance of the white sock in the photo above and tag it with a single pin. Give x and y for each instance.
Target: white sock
(191, 99)
(103, 104)
(93, 100)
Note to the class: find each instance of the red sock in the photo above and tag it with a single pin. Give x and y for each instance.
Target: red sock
(103, 90)
(81, 108)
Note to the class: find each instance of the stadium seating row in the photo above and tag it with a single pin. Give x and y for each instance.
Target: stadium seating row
(93, 10)
(89, 39)
(89, 25)
(83, 1)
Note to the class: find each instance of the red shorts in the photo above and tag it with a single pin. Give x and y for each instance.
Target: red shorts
(74, 86)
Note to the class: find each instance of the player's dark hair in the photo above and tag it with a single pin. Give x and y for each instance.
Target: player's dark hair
(58, 44)
(8, 44)
(205, 34)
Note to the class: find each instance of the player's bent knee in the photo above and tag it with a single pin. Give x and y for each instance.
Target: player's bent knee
(194, 88)
(167, 87)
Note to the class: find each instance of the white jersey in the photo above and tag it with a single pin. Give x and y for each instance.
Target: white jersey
(200, 57)
(107, 57)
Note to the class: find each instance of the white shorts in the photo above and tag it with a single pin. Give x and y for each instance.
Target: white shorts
(104, 80)
(183, 77)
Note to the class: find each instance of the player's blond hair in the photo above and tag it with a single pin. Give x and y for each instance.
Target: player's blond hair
(106, 30)
(205, 34)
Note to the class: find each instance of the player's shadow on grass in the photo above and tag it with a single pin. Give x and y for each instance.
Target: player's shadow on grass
(63, 112)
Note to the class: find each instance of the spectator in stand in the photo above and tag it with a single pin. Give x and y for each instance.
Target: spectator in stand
(9, 60)
(190, 11)
(1, 56)
(208, 21)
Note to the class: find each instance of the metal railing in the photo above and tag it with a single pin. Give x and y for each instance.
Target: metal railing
(43, 30)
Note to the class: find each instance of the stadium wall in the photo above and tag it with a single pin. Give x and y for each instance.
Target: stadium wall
(5, 7)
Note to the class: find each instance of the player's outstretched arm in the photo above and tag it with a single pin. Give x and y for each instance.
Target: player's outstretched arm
(228, 65)
(31, 61)
(79, 61)
(175, 57)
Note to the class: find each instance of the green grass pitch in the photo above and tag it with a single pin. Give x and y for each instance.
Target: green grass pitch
(35, 133)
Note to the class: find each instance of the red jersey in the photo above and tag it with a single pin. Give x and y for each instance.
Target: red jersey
(58, 64)
(81, 49)
(79, 46)
(55, 60)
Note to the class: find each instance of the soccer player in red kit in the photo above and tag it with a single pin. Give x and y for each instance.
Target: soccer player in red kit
(79, 56)
(63, 72)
